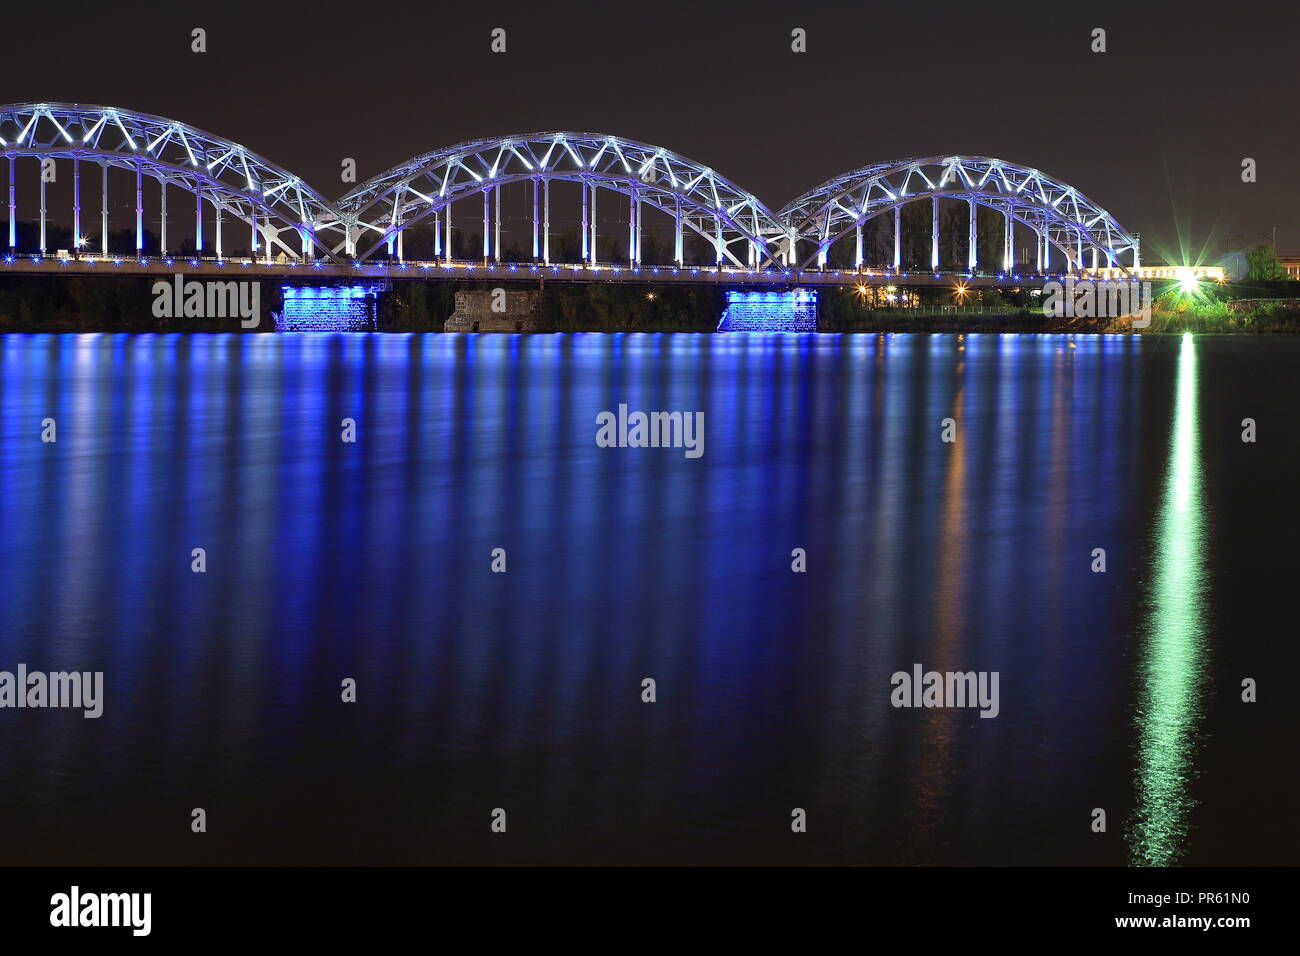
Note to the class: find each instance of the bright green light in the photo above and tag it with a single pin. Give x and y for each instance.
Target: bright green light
(1187, 281)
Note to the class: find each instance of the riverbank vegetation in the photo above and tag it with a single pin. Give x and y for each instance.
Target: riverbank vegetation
(78, 303)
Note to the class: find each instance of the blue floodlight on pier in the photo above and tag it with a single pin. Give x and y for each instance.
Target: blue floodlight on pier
(792, 310)
(332, 308)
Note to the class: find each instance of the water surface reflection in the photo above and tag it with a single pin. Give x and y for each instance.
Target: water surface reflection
(522, 690)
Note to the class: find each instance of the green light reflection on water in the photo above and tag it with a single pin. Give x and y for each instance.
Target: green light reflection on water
(1173, 651)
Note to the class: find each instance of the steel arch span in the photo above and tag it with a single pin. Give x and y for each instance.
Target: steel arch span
(1057, 212)
(285, 215)
(276, 205)
(740, 228)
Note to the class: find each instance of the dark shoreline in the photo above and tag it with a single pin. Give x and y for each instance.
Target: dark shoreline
(124, 304)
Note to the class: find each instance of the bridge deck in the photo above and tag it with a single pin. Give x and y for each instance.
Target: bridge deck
(530, 272)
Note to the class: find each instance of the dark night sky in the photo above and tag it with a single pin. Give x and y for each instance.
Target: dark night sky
(1154, 130)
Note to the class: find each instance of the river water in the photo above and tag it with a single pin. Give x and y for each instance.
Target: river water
(372, 560)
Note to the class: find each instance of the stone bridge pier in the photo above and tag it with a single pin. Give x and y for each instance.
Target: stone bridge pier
(497, 310)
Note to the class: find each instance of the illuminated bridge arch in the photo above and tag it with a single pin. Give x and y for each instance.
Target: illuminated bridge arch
(1058, 214)
(237, 184)
(739, 229)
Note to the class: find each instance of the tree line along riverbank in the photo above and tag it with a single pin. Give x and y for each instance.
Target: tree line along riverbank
(124, 304)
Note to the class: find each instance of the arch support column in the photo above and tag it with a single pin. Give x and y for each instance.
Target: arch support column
(934, 233)
(972, 256)
(898, 238)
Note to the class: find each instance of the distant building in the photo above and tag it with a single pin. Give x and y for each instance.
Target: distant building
(1291, 264)
(1160, 271)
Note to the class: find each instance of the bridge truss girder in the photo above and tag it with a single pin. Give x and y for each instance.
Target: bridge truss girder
(290, 216)
(1060, 215)
(236, 182)
(737, 224)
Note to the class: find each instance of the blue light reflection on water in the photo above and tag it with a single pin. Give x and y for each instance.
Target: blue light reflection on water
(370, 560)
